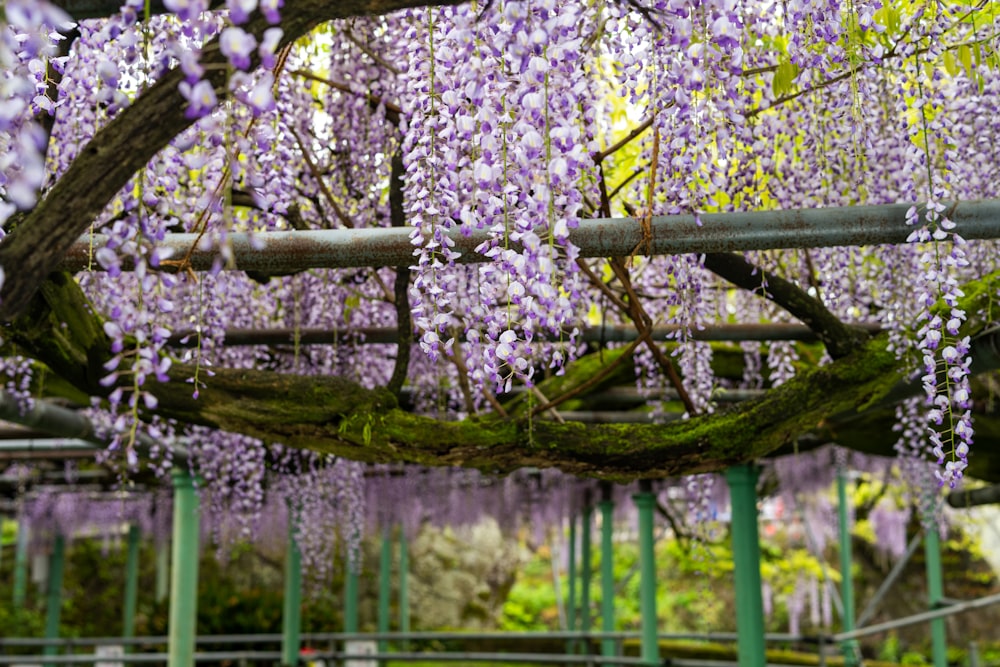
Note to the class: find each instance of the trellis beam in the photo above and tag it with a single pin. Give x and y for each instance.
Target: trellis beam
(62, 422)
(600, 334)
(282, 252)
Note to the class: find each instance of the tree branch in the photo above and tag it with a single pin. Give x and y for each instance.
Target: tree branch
(335, 415)
(105, 165)
(404, 324)
(840, 339)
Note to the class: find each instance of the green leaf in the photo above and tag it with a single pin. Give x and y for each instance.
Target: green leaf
(950, 65)
(965, 57)
(784, 77)
(350, 303)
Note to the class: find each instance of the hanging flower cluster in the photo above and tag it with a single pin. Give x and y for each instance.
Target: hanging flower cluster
(513, 105)
(501, 114)
(236, 44)
(945, 352)
(29, 41)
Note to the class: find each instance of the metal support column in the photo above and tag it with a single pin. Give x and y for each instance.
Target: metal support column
(846, 573)
(607, 570)
(935, 593)
(162, 571)
(645, 501)
(21, 564)
(184, 572)
(571, 577)
(131, 583)
(384, 586)
(404, 586)
(586, 568)
(53, 602)
(291, 617)
(742, 480)
(350, 599)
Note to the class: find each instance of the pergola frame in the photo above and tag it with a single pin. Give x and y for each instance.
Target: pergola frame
(289, 251)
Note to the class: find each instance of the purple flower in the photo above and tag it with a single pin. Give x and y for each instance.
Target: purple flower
(186, 10)
(237, 45)
(268, 45)
(240, 10)
(201, 98)
(270, 10)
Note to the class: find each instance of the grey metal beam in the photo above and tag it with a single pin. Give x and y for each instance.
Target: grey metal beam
(35, 449)
(602, 334)
(278, 252)
(27, 446)
(897, 570)
(965, 498)
(922, 617)
(64, 423)
(98, 9)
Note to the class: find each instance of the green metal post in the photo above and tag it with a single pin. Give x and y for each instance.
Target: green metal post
(291, 617)
(935, 593)
(846, 573)
(162, 571)
(131, 583)
(184, 572)
(742, 480)
(53, 603)
(350, 600)
(586, 566)
(21, 564)
(649, 646)
(571, 577)
(384, 587)
(404, 586)
(607, 571)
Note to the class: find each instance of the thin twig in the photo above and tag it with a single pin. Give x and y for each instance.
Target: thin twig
(495, 404)
(646, 219)
(463, 378)
(601, 285)
(599, 377)
(392, 111)
(639, 316)
(371, 54)
(642, 127)
(555, 415)
(759, 70)
(314, 170)
(404, 323)
(635, 174)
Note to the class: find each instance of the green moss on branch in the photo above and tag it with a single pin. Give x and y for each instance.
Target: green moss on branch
(335, 415)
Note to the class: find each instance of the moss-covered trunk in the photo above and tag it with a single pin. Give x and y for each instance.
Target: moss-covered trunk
(336, 415)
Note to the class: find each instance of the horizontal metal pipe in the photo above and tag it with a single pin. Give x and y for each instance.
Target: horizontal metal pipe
(964, 498)
(282, 252)
(611, 416)
(91, 9)
(887, 583)
(603, 334)
(272, 656)
(44, 448)
(49, 455)
(316, 637)
(49, 418)
(915, 619)
(64, 423)
(29, 445)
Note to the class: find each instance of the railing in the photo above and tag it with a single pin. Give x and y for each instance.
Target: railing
(340, 649)
(339, 645)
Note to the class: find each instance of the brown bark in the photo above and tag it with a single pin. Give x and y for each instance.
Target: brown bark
(335, 415)
(41, 237)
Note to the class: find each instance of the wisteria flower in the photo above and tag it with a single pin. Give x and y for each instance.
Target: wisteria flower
(201, 98)
(237, 45)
